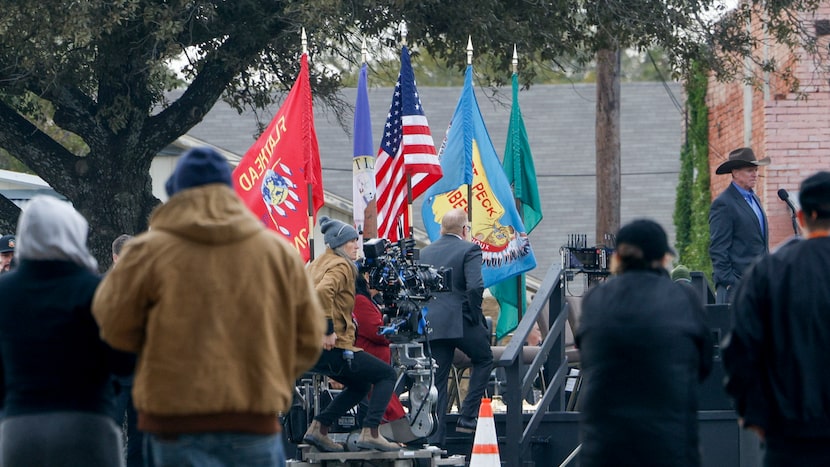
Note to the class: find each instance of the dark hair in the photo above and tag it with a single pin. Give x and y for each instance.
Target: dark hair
(119, 242)
(361, 286)
(814, 198)
(630, 258)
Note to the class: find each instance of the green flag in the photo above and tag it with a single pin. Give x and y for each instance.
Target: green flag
(518, 166)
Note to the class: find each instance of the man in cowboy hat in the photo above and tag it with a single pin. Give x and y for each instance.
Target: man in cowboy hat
(738, 229)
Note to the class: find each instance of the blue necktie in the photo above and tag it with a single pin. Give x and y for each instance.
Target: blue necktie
(753, 203)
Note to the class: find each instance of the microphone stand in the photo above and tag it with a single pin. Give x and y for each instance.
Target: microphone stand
(785, 197)
(795, 222)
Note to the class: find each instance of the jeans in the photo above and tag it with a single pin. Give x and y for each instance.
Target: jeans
(126, 417)
(217, 450)
(366, 373)
(61, 439)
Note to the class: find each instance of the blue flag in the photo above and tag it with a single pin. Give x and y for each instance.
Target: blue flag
(468, 158)
(363, 164)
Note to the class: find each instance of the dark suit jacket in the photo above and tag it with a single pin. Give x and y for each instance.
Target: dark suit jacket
(447, 311)
(735, 237)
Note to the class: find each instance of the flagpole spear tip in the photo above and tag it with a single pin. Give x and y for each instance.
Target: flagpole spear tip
(364, 51)
(469, 50)
(515, 60)
(403, 34)
(304, 40)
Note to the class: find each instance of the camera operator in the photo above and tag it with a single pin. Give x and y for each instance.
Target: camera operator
(456, 319)
(334, 275)
(369, 319)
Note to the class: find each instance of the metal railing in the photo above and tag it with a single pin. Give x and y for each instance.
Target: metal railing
(551, 356)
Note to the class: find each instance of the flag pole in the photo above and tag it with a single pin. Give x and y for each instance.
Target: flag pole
(370, 213)
(520, 302)
(309, 187)
(409, 208)
(470, 185)
(364, 52)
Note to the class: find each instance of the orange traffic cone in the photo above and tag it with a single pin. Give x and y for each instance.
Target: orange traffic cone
(486, 444)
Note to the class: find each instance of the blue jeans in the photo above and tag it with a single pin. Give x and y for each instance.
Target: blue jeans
(217, 450)
(126, 418)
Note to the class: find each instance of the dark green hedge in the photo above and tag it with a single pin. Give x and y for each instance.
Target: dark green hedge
(691, 212)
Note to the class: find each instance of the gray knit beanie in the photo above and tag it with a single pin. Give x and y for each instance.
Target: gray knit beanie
(335, 232)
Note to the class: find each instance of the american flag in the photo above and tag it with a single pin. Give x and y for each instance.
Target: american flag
(406, 148)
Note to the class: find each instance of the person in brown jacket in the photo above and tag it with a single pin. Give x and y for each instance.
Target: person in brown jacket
(223, 318)
(334, 275)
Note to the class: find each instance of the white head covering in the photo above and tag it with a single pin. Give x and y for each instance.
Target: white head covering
(51, 229)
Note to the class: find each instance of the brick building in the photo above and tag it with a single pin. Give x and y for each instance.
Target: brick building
(791, 128)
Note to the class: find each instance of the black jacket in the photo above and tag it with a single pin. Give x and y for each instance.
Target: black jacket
(644, 349)
(735, 238)
(52, 356)
(777, 358)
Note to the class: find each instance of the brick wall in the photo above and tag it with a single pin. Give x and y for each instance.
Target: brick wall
(793, 129)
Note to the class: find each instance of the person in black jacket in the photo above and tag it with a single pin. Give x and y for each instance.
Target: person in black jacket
(644, 348)
(776, 357)
(57, 395)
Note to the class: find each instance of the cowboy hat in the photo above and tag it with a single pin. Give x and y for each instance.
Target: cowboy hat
(741, 157)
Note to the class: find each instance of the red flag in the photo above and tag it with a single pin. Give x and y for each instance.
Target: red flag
(406, 148)
(277, 173)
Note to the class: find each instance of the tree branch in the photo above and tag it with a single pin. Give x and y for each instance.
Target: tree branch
(9, 212)
(74, 111)
(218, 70)
(33, 147)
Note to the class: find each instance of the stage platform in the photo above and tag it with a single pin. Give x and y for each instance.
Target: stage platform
(406, 457)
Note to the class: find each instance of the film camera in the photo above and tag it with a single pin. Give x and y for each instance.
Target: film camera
(404, 283)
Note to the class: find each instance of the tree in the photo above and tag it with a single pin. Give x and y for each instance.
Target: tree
(99, 69)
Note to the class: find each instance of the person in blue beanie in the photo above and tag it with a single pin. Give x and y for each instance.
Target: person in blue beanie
(223, 317)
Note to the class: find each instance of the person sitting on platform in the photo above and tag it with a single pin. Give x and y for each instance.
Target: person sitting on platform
(334, 276)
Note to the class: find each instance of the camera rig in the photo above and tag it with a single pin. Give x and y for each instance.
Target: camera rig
(406, 286)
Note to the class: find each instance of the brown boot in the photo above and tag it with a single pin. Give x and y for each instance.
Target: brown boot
(371, 439)
(317, 436)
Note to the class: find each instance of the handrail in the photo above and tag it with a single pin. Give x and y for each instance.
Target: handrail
(514, 347)
(551, 354)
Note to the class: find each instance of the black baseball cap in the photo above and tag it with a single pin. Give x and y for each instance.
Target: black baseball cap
(7, 244)
(648, 236)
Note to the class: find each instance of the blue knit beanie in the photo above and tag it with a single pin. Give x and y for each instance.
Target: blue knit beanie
(197, 167)
(336, 233)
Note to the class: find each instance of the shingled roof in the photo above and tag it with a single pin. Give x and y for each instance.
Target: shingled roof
(560, 121)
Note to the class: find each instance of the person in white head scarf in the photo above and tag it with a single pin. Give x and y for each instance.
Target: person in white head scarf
(58, 402)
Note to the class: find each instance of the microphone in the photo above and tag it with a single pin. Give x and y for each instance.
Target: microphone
(785, 197)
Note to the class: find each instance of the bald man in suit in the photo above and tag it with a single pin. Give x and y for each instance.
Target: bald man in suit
(456, 319)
